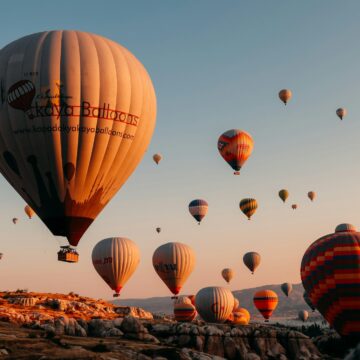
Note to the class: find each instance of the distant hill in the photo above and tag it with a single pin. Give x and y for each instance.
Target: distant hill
(287, 306)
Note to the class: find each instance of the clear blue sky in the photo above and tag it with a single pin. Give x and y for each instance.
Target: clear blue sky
(215, 65)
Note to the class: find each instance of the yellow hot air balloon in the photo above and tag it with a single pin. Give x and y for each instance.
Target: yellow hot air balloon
(241, 316)
(115, 260)
(77, 114)
(227, 274)
(285, 95)
(29, 211)
(248, 207)
(312, 195)
(341, 113)
(283, 194)
(174, 262)
(157, 158)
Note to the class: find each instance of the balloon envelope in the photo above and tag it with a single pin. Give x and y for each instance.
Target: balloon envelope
(198, 208)
(241, 316)
(308, 301)
(285, 95)
(266, 302)
(227, 274)
(158, 230)
(15, 220)
(341, 113)
(248, 207)
(29, 211)
(184, 312)
(286, 288)
(283, 194)
(303, 315)
(312, 195)
(174, 262)
(115, 260)
(77, 114)
(157, 158)
(252, 260)
(235, 146)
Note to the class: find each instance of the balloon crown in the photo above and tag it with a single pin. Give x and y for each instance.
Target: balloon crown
(345, 227)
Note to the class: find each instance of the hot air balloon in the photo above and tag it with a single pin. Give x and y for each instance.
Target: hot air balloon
(79, 114)
(184, 312)
(227, 274)
(235, 146)
(266, 302)
(294, 206)
(198, 209)
(158, 230)
(182, 300)
(308, 301)
(115, 260)
(341, 113)
(312, 195)
(286, 288)
(157, 158)
(252, 260)
(192, 299)
(174, 262)
(29, 211)
(283, 194)
(248, 207)
(303, 315)
(236, 303)
(214, 303)
(330, 273)
(285, 95)
(241, 317)
(1, 255)
(15, 220)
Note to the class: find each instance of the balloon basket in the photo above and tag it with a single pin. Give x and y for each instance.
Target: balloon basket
(67, 254)
(236, 172)
(116, 295)
(174, 297)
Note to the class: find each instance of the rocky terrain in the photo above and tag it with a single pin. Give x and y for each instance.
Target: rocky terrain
(55, 326)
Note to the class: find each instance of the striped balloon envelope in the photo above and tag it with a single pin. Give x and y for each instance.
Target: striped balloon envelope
(198, 208)
(252, 260)
(184, 312)
(235, 146)
(330, 273)
(283, 194)
(266, 302)
(248, 207)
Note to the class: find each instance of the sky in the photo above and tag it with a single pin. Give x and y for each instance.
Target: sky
(215, 65)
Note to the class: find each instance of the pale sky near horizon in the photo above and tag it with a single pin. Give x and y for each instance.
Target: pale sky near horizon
(215, 65)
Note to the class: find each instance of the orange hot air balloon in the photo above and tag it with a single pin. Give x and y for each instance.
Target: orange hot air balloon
(157, 158)
(266, 302)
(29, 211)
(241, 316)
(341, 113)
(174, 262)
(285, 95)
(312, 195)
(74, 125)
(235, 146)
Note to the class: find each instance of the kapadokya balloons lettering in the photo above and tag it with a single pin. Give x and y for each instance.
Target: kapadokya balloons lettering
(174, 262)
(341, 113)
(77, 114)
(198, 208)
(286, 288)
(235, 146)
(283, 194)
(266, 302)
(115, 260)
(312, 195)
(227, 274)
(15, 220)
(303, 315)
(157, 158)
(214, 303)
(29, 211)
(285, 95)
(248, 207)
(308, 301)
(330, 273)
(252, 260)
(184, 312)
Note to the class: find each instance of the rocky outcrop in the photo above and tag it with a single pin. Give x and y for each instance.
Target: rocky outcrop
(134, 311)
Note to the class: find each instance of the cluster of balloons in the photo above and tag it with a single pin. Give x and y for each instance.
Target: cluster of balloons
(284, 194)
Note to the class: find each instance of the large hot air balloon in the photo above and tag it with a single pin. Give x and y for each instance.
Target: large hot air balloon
(252, 260)
(77, 114)
(184, 312)
(15, 220)
(303, 315)
(266, 301)
(198, 208)
(214, 303)
(235, 146)
(248, 207)
(341, 113)
(157, 158)
(308, 301)
(312, 195)
(283, 194)
(174, 262)
(158, 230)
(285, 95)
(286, 288)
(115, 260)
(330, 273)
(227, 274)
(29, 211)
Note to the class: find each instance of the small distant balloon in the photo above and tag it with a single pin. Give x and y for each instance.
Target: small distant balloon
(252, 260)
(227, 274)
(1, 255)
(15, 220)
(283, 194)
(285, 95)
(303, 315)
(294, 206)
(248, 207)
(29, 211)
(312, 195)
(341, 113)
(308, 301)
(198, 208)
(157, 158)
(286, 288)
(158, 230)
